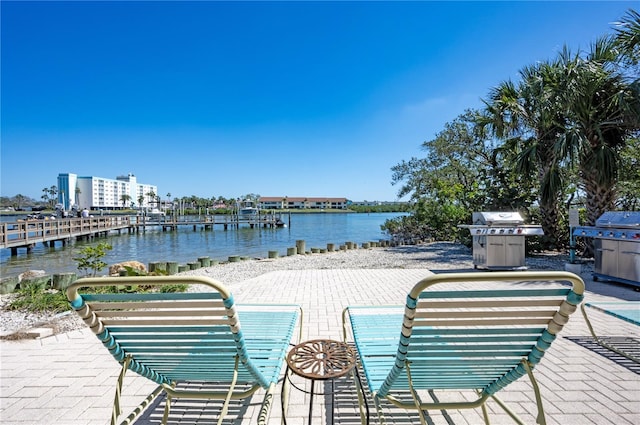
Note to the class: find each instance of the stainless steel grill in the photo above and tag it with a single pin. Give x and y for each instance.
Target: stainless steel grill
(616, 246)
(499, 240)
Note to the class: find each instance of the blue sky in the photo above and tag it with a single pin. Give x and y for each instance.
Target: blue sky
(274, 98)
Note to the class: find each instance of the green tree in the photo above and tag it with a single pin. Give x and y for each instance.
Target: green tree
(462, 172)
(90, 258)
(627, 38)
(151, 195)
(125, 199)
(528, 116)
(45, 196)
(18, 201)
(629, 181)
(462, 165)
(449, 170)
(49, 195)
(603, 109)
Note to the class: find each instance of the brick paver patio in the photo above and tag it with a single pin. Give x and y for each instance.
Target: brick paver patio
(70, 378)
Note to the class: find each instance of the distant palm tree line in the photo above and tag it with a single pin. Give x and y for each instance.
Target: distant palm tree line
(186, 203)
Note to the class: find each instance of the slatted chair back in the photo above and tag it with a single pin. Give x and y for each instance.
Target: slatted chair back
(465, 331)
(171, 337)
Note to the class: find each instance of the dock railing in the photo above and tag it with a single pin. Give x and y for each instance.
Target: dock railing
(29, 232)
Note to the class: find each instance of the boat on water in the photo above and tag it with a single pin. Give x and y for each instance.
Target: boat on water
(247, 209)
(155, 213)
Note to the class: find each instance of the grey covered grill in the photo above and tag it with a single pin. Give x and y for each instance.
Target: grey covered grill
(616, 246)
(499, 240)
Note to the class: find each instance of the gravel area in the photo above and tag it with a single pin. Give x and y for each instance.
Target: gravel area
(434, 256)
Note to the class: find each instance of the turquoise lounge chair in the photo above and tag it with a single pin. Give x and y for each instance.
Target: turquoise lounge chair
(193, 337)
(462, 331)
(629, 311)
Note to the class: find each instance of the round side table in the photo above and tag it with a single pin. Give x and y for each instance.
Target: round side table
(318, 360)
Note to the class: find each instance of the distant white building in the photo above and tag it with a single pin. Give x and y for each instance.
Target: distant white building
(99, 192)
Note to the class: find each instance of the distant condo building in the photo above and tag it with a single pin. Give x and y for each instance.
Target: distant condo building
(99, 192)
(293, 203)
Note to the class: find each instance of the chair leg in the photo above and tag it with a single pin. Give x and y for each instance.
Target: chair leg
(167, 408)
(540, 419)
(381, 418)
(266, 405)
(414, 394)
(116, 411)
(362, 398)
(167, 404)
(485, 414)
(225, 406)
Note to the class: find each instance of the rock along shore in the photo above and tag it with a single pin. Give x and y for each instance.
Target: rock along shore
(434, 256)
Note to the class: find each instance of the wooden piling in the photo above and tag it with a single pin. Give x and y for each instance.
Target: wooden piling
(172, 267)
(300, 245)
(62, 280)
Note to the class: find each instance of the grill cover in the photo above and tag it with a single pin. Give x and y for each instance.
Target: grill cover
(497, 218)
(619, 219)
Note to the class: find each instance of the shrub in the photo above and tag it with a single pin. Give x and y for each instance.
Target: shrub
(91, 258)
(35, 297)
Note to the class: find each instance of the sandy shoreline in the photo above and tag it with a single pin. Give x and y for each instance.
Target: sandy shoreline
(434, 256)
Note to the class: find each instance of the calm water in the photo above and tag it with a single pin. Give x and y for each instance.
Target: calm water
(187, 245)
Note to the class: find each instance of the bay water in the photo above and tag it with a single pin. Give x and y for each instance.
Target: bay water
(186, 245)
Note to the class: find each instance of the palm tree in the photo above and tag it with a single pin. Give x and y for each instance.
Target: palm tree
(527, 117)
(627, 37)
(151, 195)
(604, 111)
(18, 201)
(124, 199)
(140, 201)
(49, 195)
(77, 192)
(45, 196)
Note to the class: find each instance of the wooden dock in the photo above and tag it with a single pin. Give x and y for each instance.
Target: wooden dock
(26, 234)
(207, 222)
